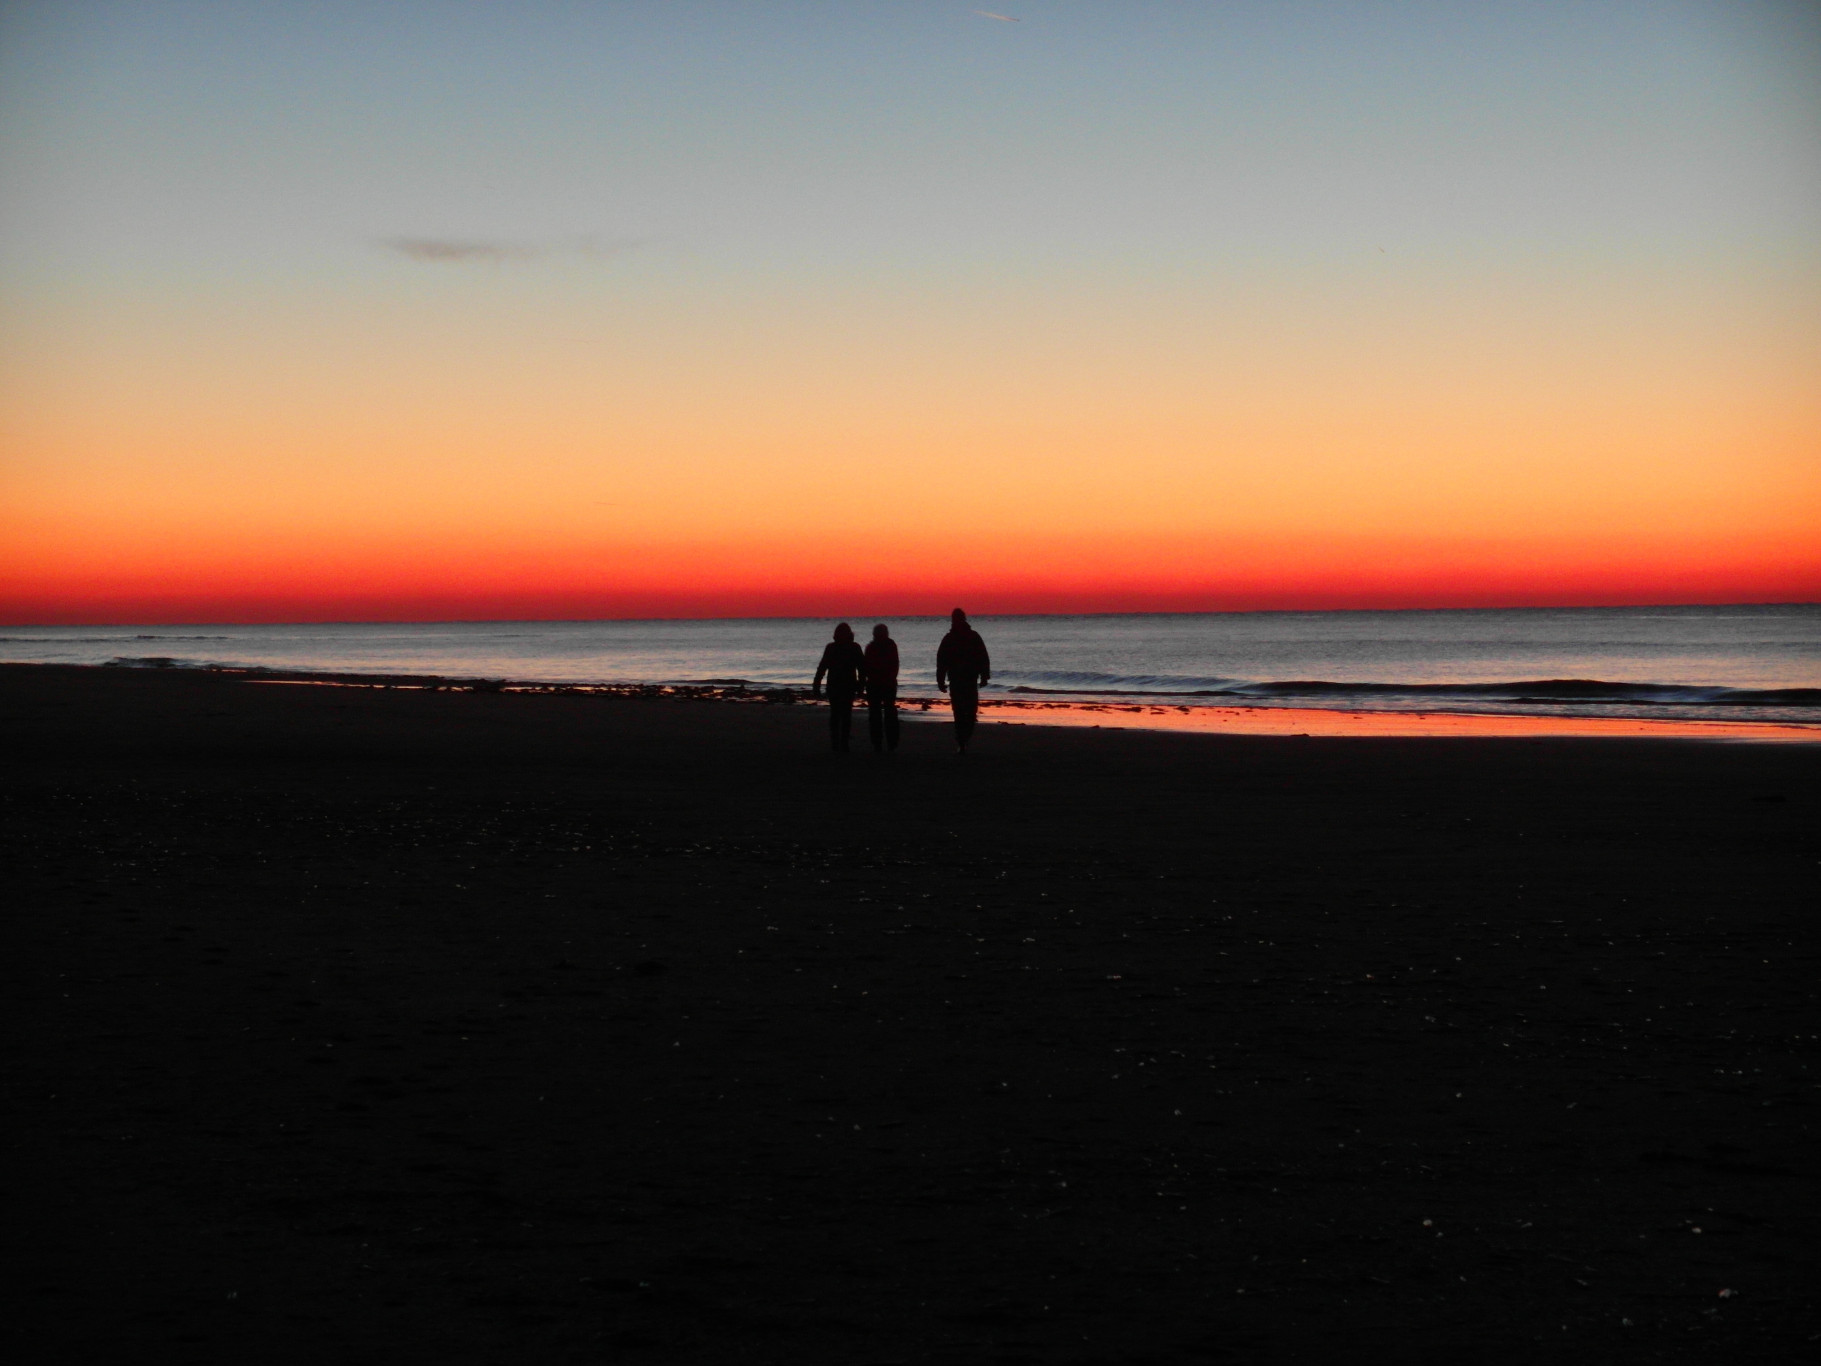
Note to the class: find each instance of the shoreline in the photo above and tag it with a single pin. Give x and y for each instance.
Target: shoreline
(1177, 717)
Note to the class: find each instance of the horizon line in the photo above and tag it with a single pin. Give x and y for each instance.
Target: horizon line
(799, 616)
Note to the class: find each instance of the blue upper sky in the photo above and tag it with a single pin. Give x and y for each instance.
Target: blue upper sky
(279, 136)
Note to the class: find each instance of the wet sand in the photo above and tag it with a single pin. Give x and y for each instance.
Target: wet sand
(1331, 723)
(478, 1027)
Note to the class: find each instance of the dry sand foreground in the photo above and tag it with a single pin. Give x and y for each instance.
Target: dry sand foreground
(504, 1028)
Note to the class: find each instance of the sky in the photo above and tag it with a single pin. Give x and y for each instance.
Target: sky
(414, 310)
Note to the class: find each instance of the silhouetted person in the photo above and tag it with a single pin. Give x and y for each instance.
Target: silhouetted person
(961, 667)
(882, 689)
(844, 666)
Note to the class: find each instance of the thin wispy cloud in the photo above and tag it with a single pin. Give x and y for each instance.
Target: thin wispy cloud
(473, 251)
(1002, 18)
(447, 251)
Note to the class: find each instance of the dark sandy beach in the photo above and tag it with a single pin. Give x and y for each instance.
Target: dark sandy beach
(478, 1027)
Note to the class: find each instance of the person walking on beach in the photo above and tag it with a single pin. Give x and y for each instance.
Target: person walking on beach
(844, 666)
(882, 689)
(962, 667)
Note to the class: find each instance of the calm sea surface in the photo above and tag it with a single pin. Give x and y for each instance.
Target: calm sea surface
(1739, 663)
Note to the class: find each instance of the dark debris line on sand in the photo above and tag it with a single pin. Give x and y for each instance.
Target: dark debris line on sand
(520, 1028)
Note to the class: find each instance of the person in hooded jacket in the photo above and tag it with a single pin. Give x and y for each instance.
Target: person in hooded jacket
(962, 667)
(844, 667)
(882, 689)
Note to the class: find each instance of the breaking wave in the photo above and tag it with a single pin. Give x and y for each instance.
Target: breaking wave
(1545, 691)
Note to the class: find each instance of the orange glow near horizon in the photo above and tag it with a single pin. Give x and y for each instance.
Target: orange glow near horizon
(756, 579)
(788, 479)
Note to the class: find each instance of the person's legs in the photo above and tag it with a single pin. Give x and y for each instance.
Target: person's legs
(882, 717)
(840, 719)
(966, 702)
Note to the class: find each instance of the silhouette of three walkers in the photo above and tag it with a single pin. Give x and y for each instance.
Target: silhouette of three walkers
(962, 667)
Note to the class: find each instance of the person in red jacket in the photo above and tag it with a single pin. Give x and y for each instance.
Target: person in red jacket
(844, 667)
(961, 667)
(882, 689)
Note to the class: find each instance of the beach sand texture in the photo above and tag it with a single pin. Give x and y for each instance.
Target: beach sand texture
(472, 1027)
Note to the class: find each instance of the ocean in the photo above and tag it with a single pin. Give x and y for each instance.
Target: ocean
(1750, 663)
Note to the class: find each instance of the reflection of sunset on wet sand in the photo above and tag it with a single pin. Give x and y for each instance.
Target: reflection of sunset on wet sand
(1364, 724)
